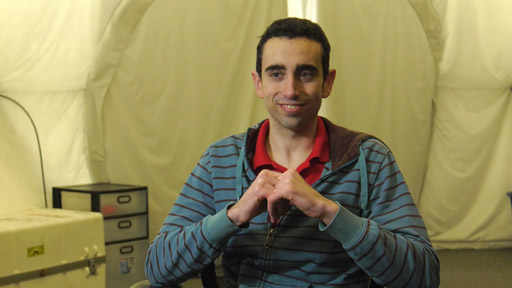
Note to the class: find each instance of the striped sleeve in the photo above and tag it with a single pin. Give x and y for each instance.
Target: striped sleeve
(184, 245)
(391, 245)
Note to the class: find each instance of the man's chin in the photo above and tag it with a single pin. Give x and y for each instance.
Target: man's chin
(297, 125)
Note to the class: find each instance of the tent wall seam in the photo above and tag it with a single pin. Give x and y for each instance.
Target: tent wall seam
(124, 21)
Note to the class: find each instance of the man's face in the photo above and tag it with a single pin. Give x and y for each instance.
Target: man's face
(291, 82)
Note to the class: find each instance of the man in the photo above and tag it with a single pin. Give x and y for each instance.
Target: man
(296, 200)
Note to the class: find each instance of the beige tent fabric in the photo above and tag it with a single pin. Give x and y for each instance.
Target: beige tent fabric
(133, 91)
(171, 78)
(116, 37)
(464, 199)
(386, 54)
(46, 48)
(171, 94)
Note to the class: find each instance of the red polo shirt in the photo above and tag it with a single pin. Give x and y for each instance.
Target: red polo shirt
(310, 170)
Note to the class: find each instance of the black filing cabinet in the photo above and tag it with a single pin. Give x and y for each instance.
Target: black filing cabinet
(125, 214)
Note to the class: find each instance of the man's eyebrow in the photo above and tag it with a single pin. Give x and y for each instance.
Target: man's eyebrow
(275, 67)
(298, 68)
(303, 67)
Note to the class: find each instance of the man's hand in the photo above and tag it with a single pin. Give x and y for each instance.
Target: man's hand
(292, 189)
(276, 192)
(254, 200)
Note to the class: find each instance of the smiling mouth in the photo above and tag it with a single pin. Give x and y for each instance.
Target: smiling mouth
(291, 106)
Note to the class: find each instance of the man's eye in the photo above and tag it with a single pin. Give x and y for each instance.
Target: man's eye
(305, 74)
(275, 74)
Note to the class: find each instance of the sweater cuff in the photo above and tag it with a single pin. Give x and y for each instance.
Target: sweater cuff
(220, 228)
(345, 227)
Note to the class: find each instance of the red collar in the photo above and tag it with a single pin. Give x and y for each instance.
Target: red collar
(319, 155)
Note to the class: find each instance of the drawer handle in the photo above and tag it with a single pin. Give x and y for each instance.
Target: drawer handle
(124, 224)
(123, 199)
(126, 249)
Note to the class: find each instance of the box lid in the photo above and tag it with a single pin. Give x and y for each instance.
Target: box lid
(101, 187)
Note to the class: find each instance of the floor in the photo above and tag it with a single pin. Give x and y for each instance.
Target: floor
(476, 268)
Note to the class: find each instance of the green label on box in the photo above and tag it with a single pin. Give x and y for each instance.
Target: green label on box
(35, 251)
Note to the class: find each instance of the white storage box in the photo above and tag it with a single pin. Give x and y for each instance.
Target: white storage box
(125, 213)
(125, 263)
(52, 248)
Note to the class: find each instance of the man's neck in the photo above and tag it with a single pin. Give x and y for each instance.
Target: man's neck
(290, 148)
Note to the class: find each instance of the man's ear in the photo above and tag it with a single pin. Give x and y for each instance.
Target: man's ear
(258, 85)
(328, 83)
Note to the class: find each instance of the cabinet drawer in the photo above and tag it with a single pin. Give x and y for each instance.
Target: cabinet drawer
(113, 204)
(125, 263)
(126, 228)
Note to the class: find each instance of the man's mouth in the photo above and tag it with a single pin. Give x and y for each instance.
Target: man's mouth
(291, 106)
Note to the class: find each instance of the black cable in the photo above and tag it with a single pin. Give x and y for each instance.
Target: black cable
(38, 144)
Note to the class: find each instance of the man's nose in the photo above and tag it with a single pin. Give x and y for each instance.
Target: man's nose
(291, 87)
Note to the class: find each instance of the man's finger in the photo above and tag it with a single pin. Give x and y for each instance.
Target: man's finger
(277, 207)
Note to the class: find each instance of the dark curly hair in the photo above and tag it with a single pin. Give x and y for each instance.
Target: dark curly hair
(295, 28)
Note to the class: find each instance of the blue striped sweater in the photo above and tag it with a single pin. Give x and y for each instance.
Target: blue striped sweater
(378, 232)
